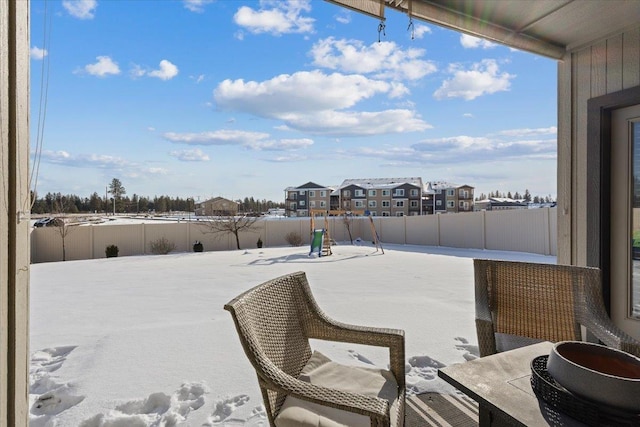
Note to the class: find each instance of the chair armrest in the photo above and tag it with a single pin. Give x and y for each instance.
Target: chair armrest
(486, 337)
(325, 328)
(372, 407)
(606, 331)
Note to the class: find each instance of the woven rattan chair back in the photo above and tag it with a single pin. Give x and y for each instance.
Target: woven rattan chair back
(537, 301)
(270, 320)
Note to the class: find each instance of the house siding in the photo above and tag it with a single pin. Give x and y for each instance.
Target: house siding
(604, 67)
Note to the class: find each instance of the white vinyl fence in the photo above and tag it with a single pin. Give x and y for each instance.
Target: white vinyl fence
(525, 230)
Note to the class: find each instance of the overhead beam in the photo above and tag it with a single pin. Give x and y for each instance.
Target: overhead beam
(438, 14)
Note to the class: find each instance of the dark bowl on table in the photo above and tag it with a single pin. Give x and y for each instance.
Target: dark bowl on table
(598, 373)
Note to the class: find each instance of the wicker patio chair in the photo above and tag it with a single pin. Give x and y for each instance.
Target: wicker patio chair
(520, 303)
(275, 321)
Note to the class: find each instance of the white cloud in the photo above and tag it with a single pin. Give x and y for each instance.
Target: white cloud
(308, 101)
(253, 140)
(196, 5)
(137, 72)
(338, 123)
(343, 17)
(383, 60)
(476, 151)
(471, 42)
(167, 71)
(420, 30)
(282, 145)
(551, 130)
(37, 53)
(103, 67)
(276, 17)
(219, 137)
(299, 93)
(468, 115)
(483, 78)
(101, 161)
(195, 155)
(81, 9)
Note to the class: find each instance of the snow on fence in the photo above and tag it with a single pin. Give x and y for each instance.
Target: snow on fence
(524, 230)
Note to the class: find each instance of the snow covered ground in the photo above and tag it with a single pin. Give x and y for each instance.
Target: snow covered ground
(145, 341)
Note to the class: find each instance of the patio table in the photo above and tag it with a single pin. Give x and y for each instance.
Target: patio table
(501, 384)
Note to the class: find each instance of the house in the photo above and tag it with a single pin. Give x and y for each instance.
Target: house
(218, 206)
(301, 200)
(447, 197)
(597, 46)
(499, 204)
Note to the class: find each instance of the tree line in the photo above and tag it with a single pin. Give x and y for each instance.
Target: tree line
(116, 200)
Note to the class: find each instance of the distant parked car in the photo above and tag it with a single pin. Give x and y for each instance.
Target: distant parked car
(41, 222)
(55, 222)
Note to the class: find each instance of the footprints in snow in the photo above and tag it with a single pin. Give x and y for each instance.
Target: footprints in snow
(158, 409)
(471, 351)
(47, 396)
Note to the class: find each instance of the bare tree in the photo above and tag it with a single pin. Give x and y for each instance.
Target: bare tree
(230, 225)
(347, 220)
(61, 222)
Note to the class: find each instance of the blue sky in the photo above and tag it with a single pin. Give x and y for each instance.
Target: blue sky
(201, 98)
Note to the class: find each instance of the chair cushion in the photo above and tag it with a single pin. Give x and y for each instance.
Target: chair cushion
(322, 371)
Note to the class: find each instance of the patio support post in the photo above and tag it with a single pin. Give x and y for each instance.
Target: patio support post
(14, 212)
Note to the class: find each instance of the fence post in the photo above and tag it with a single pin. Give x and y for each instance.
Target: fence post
(484, 229)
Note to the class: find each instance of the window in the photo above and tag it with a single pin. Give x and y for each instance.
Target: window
(303, 192)
(438, 202)
(414, 203)
(359, 204)
(451, 204)
(292, 206)
(372, 203)
(399, 213)
(346, 193)
(359, 193)
(414, 192)
(373, 213)
(301, 202)
(323, 194)
(451, 192)
(438, 191)
(323, 204)
(346, 204)
(463, 193)
(312, 204)
(372, 193)
(399, 192)
(312, 193)
(293, 196)
(386, 192)
(399, 203)
(386, 203)
(385, 213)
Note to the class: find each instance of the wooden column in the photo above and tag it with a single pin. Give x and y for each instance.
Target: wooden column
(14, 212)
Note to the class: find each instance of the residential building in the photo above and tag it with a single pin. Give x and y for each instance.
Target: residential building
(499, 203)
(218, 206)
(450, 198)
(380, 196)
(301, 200)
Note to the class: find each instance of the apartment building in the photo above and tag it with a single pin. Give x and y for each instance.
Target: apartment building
(218, 206)
(301, 200)
(446, 197)
(380, 196)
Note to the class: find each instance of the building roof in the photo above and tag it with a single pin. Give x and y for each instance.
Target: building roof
(381, 182)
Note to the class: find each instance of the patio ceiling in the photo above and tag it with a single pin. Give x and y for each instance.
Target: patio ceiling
(546, 27)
